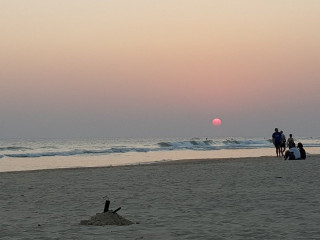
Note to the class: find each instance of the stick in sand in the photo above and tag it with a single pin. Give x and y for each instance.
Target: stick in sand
(106, 206)
(116, 210)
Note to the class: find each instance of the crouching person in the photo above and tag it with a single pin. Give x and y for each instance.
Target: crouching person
(293, 153)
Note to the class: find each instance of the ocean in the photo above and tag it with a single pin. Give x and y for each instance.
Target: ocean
(34, 154)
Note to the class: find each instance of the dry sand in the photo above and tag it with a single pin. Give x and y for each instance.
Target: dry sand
(248, 198)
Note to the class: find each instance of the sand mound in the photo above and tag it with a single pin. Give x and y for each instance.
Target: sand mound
(106, 218)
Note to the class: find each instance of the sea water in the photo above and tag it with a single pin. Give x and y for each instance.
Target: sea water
(34, 154)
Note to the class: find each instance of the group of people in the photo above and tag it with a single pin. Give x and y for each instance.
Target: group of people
(280, 142)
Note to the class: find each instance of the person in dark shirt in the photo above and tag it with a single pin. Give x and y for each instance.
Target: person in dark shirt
(276, 139)
(302, 151)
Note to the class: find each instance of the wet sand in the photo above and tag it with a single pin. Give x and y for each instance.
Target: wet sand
(239, 198)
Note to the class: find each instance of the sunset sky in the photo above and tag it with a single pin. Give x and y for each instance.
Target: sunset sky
(156, 68)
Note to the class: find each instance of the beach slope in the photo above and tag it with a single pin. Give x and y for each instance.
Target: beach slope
(245, 198)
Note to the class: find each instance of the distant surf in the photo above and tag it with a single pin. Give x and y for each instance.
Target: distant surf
(63, 147)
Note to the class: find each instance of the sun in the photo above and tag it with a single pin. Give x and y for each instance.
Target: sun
(216, 122)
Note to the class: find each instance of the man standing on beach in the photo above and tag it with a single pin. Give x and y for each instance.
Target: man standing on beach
(276, 139)
(283, 143)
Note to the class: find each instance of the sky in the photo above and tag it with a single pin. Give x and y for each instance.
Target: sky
(159, 68)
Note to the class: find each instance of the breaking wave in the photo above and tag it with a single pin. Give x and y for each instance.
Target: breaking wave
(215, 144)
(27, 149)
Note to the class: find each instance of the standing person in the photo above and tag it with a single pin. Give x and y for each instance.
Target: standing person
(283, 143)
(302, 151)
(276, 139)
(293, 153)
(290, 141)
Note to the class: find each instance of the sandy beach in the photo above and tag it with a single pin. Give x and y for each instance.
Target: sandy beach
(240, 198)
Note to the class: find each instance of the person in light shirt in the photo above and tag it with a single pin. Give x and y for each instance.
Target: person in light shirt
(293, 153)
(283, 143)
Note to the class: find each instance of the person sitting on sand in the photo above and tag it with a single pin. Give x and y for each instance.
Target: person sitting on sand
(293, 153)
(276, 139)
(290, 141)
(303, 154)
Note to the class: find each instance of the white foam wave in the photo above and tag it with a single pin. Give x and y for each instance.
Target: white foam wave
(26, 149)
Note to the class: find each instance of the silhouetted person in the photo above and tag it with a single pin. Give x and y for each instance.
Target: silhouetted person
(283, 143)
(276, 139)
(302, 151)
(290, 141)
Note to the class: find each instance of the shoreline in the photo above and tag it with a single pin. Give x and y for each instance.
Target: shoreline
(13, 164)
(166, 162)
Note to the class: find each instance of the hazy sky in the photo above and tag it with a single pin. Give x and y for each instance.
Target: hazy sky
(148, 68)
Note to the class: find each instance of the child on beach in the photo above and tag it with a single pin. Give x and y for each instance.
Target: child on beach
(290, 141)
